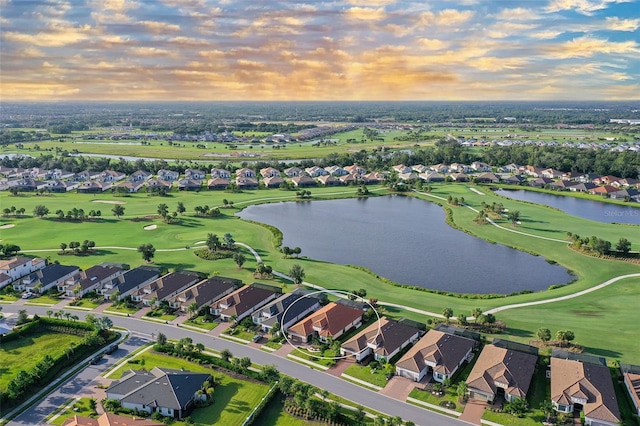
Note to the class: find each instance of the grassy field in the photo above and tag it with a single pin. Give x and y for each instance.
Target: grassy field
(234, 398)
(611, 307)
(376, 377)
(24, 354)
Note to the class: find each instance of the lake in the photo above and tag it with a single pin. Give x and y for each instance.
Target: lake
(408, 241)
(587, 209)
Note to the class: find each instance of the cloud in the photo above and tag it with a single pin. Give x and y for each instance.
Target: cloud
(584, 47)
(55, 36)
(433, 44)
(159, 27)
(517, 14)
(365, 14)
(614, 23)
(585, 7)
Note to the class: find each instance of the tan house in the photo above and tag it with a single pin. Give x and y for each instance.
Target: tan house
(109, 419)
(438, 352)
(204, 293)
(383, 339)
(632, 382)
(242, 302)
(582, 386)
(332, 321)
(501, 371)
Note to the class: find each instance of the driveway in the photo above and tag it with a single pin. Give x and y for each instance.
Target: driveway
(340, 366)
(473, 411)
(399, 388)
(220, 328)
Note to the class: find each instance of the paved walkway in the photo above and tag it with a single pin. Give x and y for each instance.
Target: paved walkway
(473, 411)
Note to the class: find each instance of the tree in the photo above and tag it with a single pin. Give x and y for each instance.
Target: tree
(199, 347)
(296, 251)
(547, 408)
(239, 259)
(181, 209)
(226, 355)
(192, 309)
(49, 313)
(462, 319)
(476, 313)
(148, 251)
(490, 319)
(23, 317)
(213, 242)
(103, 323)
(118, 211)
(569, 336)
(40, 211)
(286, 251)
(228, 240)
(10, 249)
(93, 405)
(517, 407)
(513, 216)
(462, 389)
(163, 210)
(544, 335)
(623, 245)
(447, 313)
(161, 339)
(297, 274)
(63, 247)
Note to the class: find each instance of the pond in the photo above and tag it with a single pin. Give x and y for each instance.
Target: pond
(587, 209)
(408, 241)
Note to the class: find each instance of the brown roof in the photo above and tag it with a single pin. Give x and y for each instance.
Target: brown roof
(575, 379)
(14, 262)
(243, 299)
(443, 349)
(633, 382)
(108, 419)
(505, 366)
(386, 335)
(331, 319)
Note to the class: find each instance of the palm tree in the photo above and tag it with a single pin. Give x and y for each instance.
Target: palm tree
(226, 355)
(476, 313)
(192, 309)
(447, 313)
(49, 313)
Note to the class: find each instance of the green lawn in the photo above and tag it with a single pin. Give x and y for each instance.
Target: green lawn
(86, 303)
(606, 309)
(123, 309)
(165, 317)
(378, 377)
(150, 359)
(43, 300)
(79, 408)
(200, 322)
(274, 415)
(449, 395)
(25, 353)
(8, 298)
(327, 355)
(239, 334)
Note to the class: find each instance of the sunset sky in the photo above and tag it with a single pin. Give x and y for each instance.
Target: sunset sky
(340, 50)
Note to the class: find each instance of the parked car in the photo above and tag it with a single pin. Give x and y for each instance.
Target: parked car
(111, 349)
(28, 295)
(96, 359)
(257, 338)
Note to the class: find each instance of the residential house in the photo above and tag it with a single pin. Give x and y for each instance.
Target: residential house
(315, 171)
(586, 387)
(129, 282)
(329, 180)
(588, 177)
(5, 280)
(218, 183)
(93, 187)
(293, 172)
(296, 304)
(29, 185)
(487, 177)
(631, 377)
(171, 393)
(131, 186)
(109, 419)
(540, 182)
(408, 177)
(90, 279)
(514, 180)
(140, 176)
(431, 176)
(269, 172)
(623, 194)
(111, 176)
(204, 293)
(625, 183)
(86, 175)
(189, 185)
(582, 187)
(384, 339)
(159, 184)
(246, 182)
(419, 168)
(245, 172)
(532, 171)
(606, 180)
(303, 181)
(195, 174)
(436, 352)
(168, 175)
(552, 173)
(479, 166)
(331, 321)
(355, 169)
(61, 185)
(165, 287)
(273, 181)
(511, 168)
(336, 171)
(18, 267)
(349, 179)
(402, 169)
(220, 173)
(242, 302)
(46, 278)
(603, 190)
(460, 168)
(562, 184)
(501, 371)
(60, 174)
(373, 178)
(460, 177)
(439, 168)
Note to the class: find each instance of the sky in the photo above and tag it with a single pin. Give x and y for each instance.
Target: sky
(355, 50)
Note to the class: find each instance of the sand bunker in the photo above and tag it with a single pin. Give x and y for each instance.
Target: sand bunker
(108, 202)
(7, 226)
(150, 227)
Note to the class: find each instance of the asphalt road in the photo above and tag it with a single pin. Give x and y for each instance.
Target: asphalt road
(141, 328)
